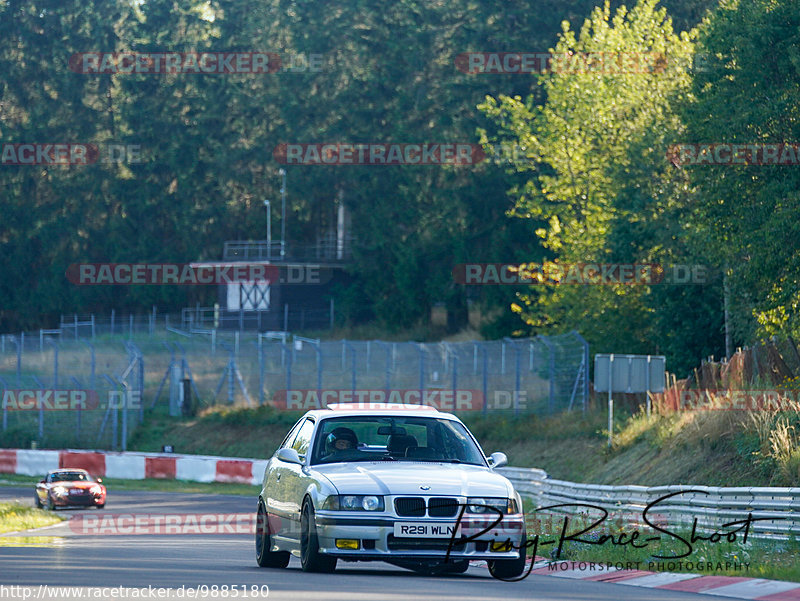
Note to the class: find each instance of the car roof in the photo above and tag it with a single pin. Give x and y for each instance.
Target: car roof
(68, 469)
(379, 409)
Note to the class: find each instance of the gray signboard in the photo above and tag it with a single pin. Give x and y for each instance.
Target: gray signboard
(629, 373)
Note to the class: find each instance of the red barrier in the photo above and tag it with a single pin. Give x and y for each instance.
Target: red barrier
(234, 471)
(94, 463)
(159, 467)
(8, 461)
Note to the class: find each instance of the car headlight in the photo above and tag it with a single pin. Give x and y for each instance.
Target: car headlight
(59, 491)
(354, 503)
(487, 505)
(96, 490)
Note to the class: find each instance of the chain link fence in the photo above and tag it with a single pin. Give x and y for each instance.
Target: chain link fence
(104, 375)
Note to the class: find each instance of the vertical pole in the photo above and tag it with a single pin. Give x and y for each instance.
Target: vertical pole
(552, 399)
(141, 388)
(260, 371)
(19, 360)
(455, 381)
(112, 322)
(75, 315)
(647, 385)
(115, 428)
(285, 317)
(236, 343)
(41, 340)
(485, 379)
(126, 395)
(130, 330)
(155, 317)
(421, 372)
(517, 381)
(332, 313)
(610, 399)
(93, 326)
(231, 369)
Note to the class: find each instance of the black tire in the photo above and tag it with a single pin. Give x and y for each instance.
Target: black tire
(509, 569)
(264, 557)
(311, 559)
(37, 500)
(50, 504)
(101, 506)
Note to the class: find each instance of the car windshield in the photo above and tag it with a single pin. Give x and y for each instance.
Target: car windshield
(394, 438)
(71, 477)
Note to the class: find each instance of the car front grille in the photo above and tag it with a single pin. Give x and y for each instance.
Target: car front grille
(442, 507)
(423, 544)
(410, 506)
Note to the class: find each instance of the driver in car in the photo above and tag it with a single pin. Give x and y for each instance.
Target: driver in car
(341, 441)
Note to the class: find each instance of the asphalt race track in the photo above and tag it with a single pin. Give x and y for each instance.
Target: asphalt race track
(69, 559)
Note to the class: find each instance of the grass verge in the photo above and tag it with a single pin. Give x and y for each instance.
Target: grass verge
(15, 517)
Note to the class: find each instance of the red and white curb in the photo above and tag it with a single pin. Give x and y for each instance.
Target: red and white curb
(135, 466)
(738, 587)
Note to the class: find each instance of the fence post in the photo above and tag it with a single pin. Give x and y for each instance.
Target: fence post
(93, 328)
(260, 370)
(75, 316)
(112, 322)
(551, 373)
(155, 317)
(130, 331)
(285, 317)
(421, 352)
(485, 379)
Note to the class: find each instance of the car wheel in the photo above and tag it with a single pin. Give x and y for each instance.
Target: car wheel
(310, 557)
(37, 500)
(101, 506)
(264, 557)
(507, 569)
(50, 504)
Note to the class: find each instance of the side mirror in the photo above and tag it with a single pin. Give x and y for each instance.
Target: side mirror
(497, 460)
(289, 456)
(99, 480)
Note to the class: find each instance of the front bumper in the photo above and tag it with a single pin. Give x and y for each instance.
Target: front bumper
(377, 541)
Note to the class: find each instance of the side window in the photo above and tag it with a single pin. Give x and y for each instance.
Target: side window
(303, 440)
(287, 442)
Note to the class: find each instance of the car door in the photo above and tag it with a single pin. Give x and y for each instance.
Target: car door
(273, 497)
(294, 480)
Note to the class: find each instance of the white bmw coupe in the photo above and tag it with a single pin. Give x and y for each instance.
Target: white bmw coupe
(405, 485)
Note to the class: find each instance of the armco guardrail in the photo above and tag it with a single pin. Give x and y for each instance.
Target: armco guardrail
(779, 508)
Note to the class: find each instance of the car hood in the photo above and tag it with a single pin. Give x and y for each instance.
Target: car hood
(407, 478)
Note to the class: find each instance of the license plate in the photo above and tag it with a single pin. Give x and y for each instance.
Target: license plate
(76, 491)
(425, 530)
